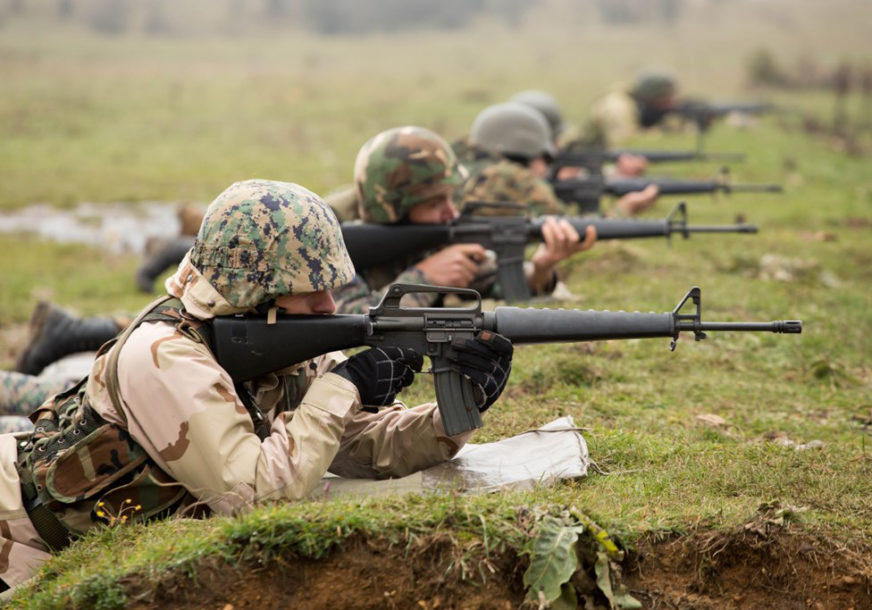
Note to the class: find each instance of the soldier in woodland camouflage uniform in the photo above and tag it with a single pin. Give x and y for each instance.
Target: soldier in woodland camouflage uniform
(514, 144)
(20, 394)
(159, 428)
(519, 139)
(411, 175)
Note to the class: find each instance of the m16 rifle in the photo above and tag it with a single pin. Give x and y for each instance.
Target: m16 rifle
(593, 159)
(586, 193)
(247, 346)
(371, 245)
(703, 114)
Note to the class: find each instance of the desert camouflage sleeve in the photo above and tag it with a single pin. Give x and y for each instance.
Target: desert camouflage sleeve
(181, 406)
(614, 119)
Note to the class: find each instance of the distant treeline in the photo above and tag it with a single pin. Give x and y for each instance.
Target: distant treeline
(180, 17)
(322, 16)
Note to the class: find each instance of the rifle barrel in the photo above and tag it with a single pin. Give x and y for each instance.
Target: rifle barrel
(787, 327)
(737, 228)
(754, 188)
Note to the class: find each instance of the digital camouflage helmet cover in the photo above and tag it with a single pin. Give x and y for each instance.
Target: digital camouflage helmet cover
(262, 239)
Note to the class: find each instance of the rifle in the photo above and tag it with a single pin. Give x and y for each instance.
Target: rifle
(586, 192)
(371, 245)
(593, 159)
(703, 114)
(247, 346)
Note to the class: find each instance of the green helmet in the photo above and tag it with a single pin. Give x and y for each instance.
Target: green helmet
(546, 104)
(400, 168)
(653, 85)
(262, 239)
(512, 129)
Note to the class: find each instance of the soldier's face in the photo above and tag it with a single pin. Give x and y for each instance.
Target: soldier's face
(438, 210)
(307, 302)
(539, 167)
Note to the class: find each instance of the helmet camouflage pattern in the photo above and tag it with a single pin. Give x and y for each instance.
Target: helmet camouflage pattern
(400, 168)
(546, 104)
(653, 85)
(512, 129)
(262, 239)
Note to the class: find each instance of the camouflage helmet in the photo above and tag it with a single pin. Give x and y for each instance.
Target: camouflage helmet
(512, 129)
(262, 239)
(400, 168)
(652, 85)
(546, 104)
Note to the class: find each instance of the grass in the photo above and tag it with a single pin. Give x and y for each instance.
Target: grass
(86, 119)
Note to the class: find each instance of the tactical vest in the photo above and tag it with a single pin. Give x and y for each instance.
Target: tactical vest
(79, 470)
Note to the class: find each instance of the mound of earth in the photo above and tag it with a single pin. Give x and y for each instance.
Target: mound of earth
(745, 568)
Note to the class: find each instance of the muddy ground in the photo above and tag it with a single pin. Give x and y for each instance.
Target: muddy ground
(746, 568)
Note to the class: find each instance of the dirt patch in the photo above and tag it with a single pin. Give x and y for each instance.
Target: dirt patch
(758, 565)
(364, 574)
(750, 567)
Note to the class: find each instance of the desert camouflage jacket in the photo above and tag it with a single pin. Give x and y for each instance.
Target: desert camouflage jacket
(183, 436)
(614, 119)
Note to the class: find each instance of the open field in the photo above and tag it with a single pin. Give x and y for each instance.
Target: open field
(709, 482)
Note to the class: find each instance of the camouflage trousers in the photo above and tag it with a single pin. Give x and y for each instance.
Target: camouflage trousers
(22, 551)
(20, 394)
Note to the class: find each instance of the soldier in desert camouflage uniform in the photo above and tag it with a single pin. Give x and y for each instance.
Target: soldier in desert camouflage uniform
(411, 175)
(159, 428)
(620, 115)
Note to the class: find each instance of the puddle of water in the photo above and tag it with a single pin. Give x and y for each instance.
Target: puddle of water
(118, 227)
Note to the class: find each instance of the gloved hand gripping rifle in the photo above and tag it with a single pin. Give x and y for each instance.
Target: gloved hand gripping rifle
(248, 346)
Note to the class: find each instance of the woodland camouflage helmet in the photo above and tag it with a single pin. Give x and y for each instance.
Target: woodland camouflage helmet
(512, 129)
(653, 85)
(546, 104)
(262, 239)
(400, 168)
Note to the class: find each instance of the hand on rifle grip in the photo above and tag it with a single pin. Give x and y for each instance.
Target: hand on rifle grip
(381, 372)
(486, 360)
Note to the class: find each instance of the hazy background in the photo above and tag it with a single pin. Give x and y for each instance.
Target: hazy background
(123, 100)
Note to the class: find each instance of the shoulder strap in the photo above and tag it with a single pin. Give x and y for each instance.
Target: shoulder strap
(170, 309)
(112, 363)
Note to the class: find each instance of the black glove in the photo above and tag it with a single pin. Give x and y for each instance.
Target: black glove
(379, 373)
(487, 361)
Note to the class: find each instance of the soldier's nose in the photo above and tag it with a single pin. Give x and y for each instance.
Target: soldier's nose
(324, 302)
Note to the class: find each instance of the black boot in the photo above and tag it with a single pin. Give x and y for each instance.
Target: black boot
(169, 254)
(55, 334)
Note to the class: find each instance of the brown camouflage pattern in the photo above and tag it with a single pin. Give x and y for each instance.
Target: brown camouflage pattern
(506, 181)
(400, 168)
(183, 437)
(614, 119)
(261, 239)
